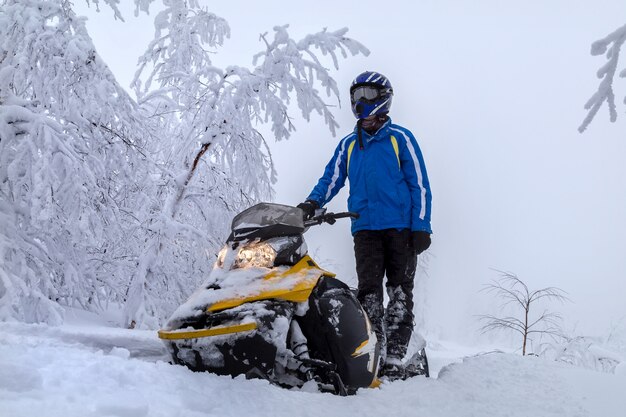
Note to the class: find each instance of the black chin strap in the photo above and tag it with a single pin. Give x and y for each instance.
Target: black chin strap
(359, 133)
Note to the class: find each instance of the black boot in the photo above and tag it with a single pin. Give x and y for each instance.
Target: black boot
(399, 323)
(392, 371)
(373, 305)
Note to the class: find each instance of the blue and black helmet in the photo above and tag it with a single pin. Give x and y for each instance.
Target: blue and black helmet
(370, 94)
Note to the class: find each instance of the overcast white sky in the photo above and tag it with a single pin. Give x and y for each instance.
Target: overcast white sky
(494, 92)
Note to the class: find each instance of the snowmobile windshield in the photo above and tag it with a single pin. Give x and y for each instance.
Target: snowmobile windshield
(267, 220)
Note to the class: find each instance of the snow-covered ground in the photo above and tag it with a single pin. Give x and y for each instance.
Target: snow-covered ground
(93, 369)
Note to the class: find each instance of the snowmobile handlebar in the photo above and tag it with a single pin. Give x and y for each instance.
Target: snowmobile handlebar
(329, 218)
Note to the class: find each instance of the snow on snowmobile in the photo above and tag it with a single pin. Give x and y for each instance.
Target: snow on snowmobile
(267, 310)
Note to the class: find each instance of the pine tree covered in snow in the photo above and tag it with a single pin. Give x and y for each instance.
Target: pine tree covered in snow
(103, 198)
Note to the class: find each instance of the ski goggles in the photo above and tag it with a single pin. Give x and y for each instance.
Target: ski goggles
(368, 93)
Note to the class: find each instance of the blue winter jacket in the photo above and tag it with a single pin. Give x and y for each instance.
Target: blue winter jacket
(389, 186)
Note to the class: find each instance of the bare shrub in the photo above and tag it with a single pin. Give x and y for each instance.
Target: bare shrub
(513, 291)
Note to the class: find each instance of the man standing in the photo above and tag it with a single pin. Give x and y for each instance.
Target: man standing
(389, 189)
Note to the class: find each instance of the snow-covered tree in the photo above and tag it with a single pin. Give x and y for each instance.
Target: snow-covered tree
(103, 198)
(610, 47)
(69, 136)
(217, 160)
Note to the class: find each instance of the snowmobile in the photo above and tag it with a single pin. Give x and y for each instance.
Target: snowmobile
(267, 310)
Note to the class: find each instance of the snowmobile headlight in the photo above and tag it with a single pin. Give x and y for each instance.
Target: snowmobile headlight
(255, 255)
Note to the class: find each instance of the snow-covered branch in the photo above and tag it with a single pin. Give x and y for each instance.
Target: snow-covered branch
(140, 5)
(609, 46)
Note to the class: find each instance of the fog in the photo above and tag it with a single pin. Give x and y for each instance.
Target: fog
(494, 92)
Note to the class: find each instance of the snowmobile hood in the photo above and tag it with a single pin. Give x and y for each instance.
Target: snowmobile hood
(294, 284)
(237, 287)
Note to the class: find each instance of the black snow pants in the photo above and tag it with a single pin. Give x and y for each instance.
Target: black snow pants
(387, 252)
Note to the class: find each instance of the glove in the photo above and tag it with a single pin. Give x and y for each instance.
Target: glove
(308, 207)
(421, 241)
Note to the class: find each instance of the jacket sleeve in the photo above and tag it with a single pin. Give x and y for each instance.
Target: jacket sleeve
(414, 171)
(334, 177)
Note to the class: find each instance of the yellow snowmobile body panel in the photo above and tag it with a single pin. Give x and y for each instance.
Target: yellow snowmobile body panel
(214, 331)
(298, 290)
